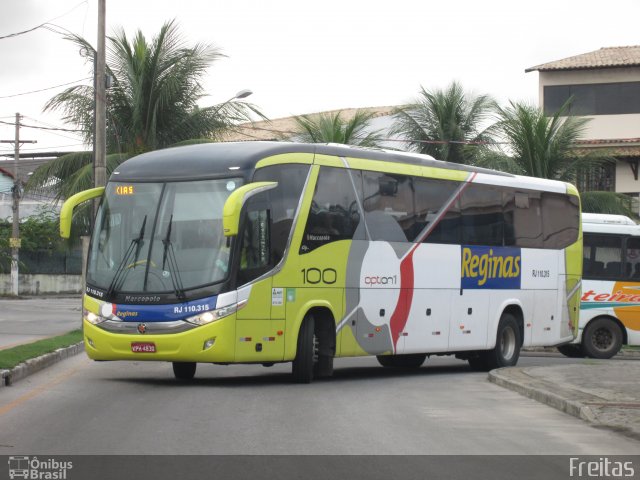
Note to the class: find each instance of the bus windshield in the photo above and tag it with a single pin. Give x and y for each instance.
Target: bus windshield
(160, 237)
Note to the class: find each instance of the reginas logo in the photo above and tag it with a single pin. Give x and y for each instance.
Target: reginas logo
(490, 267)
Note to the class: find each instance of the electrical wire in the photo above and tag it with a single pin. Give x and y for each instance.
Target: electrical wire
(44, 89)
(44, 23)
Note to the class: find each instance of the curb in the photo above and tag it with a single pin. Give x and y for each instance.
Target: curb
(543, 394)
(573, 402)
(33, 365)
(621, 354)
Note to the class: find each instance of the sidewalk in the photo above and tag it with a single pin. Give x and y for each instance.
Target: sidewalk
(605, 393)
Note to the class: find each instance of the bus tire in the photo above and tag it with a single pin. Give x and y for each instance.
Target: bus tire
(602, 338)
(571, 350)
(184, 370)
(306, 354)
(413, 360)
(508, 342)
(324, 367)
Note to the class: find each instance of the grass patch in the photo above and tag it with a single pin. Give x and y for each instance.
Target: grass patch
(11, 357)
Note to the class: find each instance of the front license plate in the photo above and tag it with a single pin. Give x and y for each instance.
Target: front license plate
(143, 347)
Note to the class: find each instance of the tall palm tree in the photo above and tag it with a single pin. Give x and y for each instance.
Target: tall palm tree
(151, 104)
(449, 124)
(544, 147)
(336, 127)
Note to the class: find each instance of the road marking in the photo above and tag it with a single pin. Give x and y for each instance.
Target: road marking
(37, 391)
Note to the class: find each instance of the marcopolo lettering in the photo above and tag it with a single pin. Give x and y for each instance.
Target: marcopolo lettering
(490, 267)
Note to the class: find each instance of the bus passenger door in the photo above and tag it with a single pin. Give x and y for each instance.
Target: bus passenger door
(256, 333)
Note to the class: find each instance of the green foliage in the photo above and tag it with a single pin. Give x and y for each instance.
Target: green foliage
(39, 233)
(12, 357)
(333, 128)
(541, 146)
(607, 202)
(447, 124)
(152, 104)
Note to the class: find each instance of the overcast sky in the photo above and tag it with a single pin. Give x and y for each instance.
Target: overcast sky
(303, 57)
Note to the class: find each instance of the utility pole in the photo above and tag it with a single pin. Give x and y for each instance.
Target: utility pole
(14, 241)
(100, 141)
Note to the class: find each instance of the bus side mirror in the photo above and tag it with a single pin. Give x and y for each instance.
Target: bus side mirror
(233, 206)
(66, 212)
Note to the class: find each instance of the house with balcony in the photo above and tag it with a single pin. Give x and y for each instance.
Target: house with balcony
(605, 87)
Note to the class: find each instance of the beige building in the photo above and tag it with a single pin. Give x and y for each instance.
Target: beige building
(284, 128)
(605, 86)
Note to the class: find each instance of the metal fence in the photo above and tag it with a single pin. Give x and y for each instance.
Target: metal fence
(45, 262)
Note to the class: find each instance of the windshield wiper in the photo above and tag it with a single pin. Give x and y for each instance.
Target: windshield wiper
(170, 255)
(136, 243)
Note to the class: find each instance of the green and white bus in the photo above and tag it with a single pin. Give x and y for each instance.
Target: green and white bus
(266, 252)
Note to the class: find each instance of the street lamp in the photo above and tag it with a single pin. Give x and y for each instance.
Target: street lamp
(241, 94)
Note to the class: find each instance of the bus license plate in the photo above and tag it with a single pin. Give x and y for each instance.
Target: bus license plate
(143, 347)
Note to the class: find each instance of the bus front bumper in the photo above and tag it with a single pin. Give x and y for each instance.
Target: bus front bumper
(210, 343)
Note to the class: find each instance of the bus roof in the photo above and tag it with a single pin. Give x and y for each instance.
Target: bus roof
(604, 223)
(226, 158)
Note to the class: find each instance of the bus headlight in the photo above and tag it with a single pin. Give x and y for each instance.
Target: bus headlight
(92, 318)
(213, 315)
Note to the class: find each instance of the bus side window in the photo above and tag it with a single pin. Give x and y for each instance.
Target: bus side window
(283, 202)
(431, 195)
(335, 210)
(632, 258)
(524, 212)
(388, 206)
(603, 256)
(482, 218)
(255, 249)
(560, 220)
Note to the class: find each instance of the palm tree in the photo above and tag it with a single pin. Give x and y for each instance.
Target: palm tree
(152, 104)
(544, 147)
(448, 124)
(334, 128)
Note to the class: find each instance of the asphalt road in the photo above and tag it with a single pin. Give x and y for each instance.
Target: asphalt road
(84, 407)
(27, 320)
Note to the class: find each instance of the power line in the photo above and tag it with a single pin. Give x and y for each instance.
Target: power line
(46, 128)
(47, 88)
(42, 24)
(56, 133)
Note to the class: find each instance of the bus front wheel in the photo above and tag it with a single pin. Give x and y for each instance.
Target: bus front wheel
(602, 338)
(307, 352)
(184, 370)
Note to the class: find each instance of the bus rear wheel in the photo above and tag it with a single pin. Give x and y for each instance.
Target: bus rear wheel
(602, 338)
(184, 370)
(413, 360)
(507, 349)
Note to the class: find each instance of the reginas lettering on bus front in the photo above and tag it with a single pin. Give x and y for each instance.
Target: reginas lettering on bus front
(490, 267)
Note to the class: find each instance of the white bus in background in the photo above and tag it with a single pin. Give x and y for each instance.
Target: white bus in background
(610, 306)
